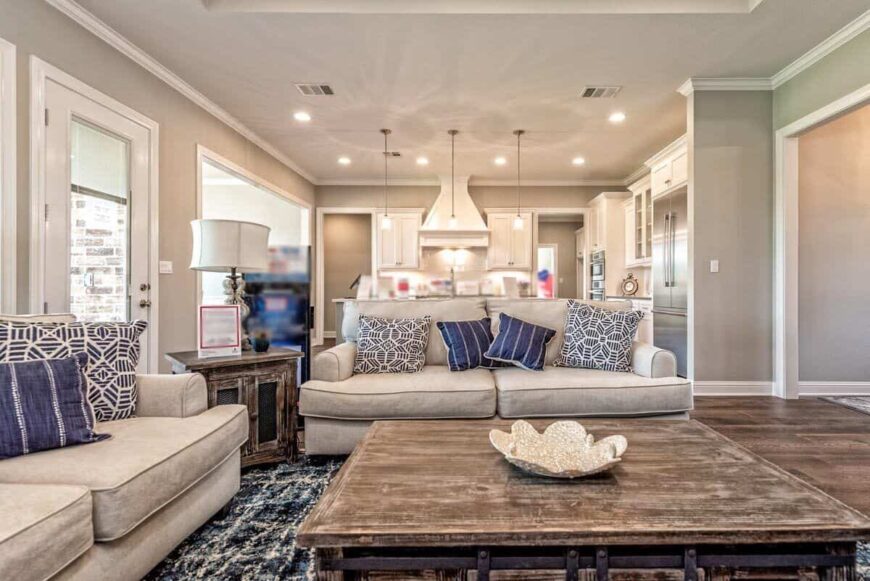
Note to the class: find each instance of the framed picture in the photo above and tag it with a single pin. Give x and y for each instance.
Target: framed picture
(220, 330)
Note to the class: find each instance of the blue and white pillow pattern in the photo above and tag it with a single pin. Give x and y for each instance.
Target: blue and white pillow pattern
(520, 343)
(391, 345)
(43, 406)
(597, 338)
(467, 343)
(113, 354)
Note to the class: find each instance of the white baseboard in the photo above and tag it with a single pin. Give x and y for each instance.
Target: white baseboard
(826, 388)
(744, 388)
(329, 334)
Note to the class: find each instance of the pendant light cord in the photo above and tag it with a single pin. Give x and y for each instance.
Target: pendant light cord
(453, 133)
(518, 133)
(386, 132)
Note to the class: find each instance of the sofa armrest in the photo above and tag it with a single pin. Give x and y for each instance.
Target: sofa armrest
(171, 396)
(334, 364)
(650, 361)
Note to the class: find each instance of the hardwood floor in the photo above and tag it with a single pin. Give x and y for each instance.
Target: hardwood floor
(822, 443)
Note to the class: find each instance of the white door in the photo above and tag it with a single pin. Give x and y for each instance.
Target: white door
(521, 243)
(388, 251)
(408, 238)
(96, 245)
(500, 240)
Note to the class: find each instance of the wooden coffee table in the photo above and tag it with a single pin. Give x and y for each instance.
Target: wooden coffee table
(685, 502)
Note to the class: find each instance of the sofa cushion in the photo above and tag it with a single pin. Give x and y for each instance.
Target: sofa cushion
(550, 313)
(465, 309)
(146, 464)
(520, 343)
(597, 338)
(564, 391)
(43, 406)
(434, 392)
(43, 529)
(467, 342)
(391, 345)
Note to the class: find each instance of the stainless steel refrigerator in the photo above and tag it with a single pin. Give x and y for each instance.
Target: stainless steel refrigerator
(671, 274)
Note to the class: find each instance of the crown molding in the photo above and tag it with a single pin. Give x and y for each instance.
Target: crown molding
(668, 151)
(546, 183)
(379, 182)
(114, 39)
(637, 174)
(823, 49)
(725, 84)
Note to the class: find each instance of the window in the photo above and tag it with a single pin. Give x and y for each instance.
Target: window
(228, 195)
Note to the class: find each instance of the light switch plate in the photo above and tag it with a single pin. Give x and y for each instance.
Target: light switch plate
(165, 267)
(714, 266)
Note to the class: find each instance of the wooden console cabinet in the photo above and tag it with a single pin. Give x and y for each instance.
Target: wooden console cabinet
(263, 382)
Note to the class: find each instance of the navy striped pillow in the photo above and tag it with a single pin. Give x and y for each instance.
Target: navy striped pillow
(43, 406)
(467, 342)
(520, 343)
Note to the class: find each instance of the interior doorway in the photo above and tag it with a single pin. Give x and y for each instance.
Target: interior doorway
(94, 207)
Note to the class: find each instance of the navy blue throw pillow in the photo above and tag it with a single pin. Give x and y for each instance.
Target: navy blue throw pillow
(43, 406)
(467, 342)
(521, 343)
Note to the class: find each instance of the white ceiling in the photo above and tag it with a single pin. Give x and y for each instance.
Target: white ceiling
(484, 75)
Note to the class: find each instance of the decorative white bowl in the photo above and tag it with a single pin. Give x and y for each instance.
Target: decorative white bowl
(564, 450)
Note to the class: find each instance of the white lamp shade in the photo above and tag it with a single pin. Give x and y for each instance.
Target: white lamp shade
(221, 245)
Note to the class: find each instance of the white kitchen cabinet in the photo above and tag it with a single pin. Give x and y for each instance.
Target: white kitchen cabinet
(638, 224)
(399, 247)
(509, 248)
(670, 167)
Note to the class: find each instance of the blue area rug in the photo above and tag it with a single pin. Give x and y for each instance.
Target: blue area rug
(257, 540)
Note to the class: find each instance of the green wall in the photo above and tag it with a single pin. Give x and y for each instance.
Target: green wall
(839, 73)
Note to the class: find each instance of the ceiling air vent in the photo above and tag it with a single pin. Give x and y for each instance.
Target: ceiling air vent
(314, 89)
(599, 92)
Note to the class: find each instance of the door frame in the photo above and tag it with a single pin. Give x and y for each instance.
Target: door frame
(202, 154)
(40, 73)
(555, 248)
(8, 189)
(786, 352)
(320, 262)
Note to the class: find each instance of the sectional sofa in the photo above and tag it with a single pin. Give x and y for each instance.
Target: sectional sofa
(339, 406)
(112, 510)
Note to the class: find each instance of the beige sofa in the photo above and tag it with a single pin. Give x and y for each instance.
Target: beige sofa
(339, 406)
(114, 509)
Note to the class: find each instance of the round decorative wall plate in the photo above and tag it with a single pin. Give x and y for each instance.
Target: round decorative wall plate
(629, 285)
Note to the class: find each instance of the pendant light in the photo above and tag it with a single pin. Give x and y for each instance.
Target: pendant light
(386, 221)
(452, 223)
(518, 220)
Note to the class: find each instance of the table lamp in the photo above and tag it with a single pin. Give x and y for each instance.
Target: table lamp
(233, 247)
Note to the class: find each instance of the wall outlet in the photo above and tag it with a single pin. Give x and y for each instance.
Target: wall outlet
(714, 266)
(165, 267)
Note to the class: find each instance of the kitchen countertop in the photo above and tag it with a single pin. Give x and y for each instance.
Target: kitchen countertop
(628, 298)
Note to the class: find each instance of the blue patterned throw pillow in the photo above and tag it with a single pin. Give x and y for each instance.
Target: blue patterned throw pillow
(597, 338)
(521, 343)
(467, 342)
(43, 406)
(113, 354)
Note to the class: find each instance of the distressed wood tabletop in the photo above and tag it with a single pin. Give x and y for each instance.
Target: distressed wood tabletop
(441, 483)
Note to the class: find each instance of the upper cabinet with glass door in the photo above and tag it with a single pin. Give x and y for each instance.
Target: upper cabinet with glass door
(638, 224)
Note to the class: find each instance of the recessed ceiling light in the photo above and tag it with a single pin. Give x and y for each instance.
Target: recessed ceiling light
(422, 160)
(617, 117)
(344, 160)
(500, 161)
(302, 116)
(578, 161)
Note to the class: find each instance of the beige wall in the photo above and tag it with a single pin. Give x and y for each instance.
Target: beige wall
(834, 214)
(731, 161)
(838, 74)
(347, 244)
(40, 30)
(562, 235)
(483, 196)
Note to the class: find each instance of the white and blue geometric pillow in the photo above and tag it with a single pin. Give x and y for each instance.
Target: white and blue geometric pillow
(113, 354)
(391, 345)
(597, 338)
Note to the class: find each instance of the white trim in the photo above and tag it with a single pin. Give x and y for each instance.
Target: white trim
(785, 300)
(546, 183)
(8, 186)
(725, 84)
(670, 149)
(379, 182)
(802, 63)
(319, 263)
(732, 388)
(329, 334)
(826, 388)
(555, 248)
(638, 174)
(40, 72)
(106, 33)
(823, 49)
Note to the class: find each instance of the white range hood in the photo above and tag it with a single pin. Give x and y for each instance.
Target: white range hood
(469, 229)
